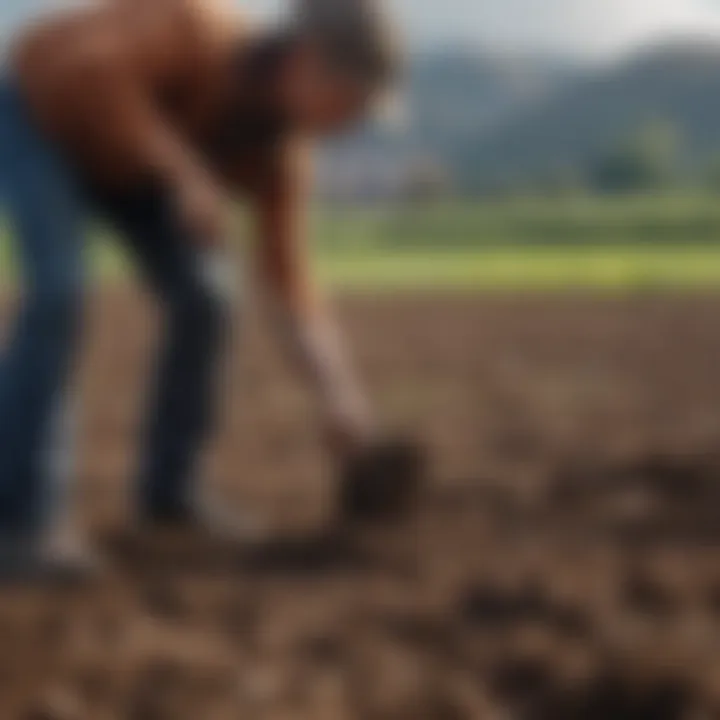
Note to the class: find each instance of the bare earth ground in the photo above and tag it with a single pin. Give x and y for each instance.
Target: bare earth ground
(565, 563)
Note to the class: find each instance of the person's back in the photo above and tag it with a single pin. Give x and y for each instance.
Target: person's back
(177, 51)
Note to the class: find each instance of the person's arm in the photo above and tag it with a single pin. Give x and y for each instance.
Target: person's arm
(300, 314)
(158, 151)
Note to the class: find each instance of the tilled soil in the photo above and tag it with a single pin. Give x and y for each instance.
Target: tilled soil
(564, 563)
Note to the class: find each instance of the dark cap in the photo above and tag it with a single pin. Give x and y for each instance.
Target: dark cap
(358, 36)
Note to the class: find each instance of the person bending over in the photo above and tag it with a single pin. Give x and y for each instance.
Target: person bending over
(154, 116)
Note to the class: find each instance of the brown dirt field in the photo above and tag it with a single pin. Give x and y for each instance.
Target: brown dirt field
(565, 563)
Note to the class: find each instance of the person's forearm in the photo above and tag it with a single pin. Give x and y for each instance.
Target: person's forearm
(146, 142)
(313, 341)
(140, 144)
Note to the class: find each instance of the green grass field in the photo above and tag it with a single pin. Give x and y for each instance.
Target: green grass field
(552, 244)
(618, 268)
(527, 243)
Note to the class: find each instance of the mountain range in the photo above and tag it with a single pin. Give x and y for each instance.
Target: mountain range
(492, 120)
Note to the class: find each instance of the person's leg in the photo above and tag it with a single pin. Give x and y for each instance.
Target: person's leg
(46, 216)
(182, 411)
(197, 308)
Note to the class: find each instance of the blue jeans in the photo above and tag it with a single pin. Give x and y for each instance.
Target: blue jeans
(48, 206)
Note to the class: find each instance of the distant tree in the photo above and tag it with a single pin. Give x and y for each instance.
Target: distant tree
(711, 175)
(648, 160)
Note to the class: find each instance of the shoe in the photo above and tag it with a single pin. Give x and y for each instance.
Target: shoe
(207, 518)
(52, 560)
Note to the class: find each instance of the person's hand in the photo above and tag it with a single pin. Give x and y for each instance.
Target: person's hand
(349, 427)
(203, 208)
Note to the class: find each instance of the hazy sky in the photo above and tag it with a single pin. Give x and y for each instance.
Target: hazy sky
(591, 27)
(588, 27)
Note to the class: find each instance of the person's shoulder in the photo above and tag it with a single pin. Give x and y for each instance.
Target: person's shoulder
(220, 17)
